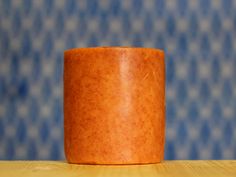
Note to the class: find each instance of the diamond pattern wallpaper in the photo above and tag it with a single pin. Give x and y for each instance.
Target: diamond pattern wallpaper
(199, 38)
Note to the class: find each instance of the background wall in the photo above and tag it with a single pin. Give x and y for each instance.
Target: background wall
(199, 38)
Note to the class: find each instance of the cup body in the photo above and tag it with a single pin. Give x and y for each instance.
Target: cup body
(114, 105)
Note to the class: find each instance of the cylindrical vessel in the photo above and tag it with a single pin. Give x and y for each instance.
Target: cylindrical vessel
(114, 105)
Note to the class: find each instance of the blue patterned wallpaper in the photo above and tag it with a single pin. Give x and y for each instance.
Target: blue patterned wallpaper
(199, 38)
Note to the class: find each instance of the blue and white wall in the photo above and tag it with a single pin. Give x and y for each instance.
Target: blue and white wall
(199, 38)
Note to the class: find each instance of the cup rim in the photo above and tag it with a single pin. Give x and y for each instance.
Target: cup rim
(114, 48)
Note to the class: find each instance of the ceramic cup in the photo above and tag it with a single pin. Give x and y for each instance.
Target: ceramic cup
(114, 105)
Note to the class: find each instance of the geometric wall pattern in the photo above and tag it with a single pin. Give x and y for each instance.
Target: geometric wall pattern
(199, 38)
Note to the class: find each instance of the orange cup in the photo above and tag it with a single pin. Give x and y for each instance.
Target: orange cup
(114, 105)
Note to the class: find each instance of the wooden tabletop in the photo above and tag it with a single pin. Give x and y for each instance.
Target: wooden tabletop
(185, 168)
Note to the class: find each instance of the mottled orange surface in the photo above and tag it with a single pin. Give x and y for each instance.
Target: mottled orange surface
(114, 105)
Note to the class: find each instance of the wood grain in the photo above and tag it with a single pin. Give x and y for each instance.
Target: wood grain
(223, 168)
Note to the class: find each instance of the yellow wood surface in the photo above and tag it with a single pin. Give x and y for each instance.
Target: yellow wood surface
(226, 168)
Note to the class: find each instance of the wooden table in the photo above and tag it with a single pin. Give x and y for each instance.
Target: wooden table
(186, 168)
